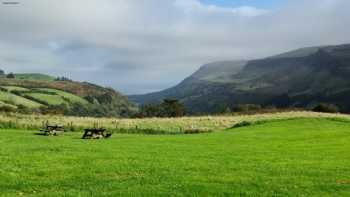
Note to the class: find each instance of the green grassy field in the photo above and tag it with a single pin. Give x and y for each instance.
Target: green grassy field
(13, 99)
(15, 88)
(2, 104)
(71, 97)
(36, 97)
(50, 99)
(299, 157)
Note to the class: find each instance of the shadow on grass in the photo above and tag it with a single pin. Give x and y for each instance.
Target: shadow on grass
(260, 122)
(42, 134)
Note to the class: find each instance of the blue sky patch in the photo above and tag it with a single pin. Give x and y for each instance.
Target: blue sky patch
(236, 3)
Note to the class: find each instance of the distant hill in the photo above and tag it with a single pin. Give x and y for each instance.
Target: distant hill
(299, 78)
(46, 94)
(35, 76)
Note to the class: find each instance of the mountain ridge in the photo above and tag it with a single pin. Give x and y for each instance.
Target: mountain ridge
(292, 79)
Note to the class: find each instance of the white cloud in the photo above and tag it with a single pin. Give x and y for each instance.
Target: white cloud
(191, 6)
(144, 45)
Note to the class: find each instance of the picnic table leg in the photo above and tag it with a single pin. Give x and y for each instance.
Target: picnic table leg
(85, 134)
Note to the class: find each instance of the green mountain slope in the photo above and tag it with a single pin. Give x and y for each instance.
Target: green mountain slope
(42, 93)
(298, 78)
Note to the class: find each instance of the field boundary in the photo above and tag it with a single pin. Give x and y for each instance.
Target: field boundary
(157, 126)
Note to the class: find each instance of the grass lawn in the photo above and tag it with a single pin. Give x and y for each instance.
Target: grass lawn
(301, 157)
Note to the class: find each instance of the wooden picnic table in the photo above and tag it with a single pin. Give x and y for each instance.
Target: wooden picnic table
(52, 129)
(95, 133)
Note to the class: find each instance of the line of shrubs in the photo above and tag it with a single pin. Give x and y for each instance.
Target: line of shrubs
(248, 109)
(326, 108)
(168, 108)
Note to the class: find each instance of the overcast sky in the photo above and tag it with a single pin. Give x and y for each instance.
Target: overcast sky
(139, 46)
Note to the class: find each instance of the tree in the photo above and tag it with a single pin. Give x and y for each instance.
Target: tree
(326, 108)
(10, 76)
(246, 107)
(222, 108)
(150, 110)
(63, 79)
(172, 108)
(168, 108)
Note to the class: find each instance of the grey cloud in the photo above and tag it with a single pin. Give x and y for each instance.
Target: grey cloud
(138, 46)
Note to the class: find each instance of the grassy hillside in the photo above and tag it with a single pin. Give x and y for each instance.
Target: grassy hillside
(12, 99)
(65, 95)
(3, 104)
(54, 97)
(219, 71)
(49, 99)
(15, 88)
(292, 79)
(35, 77)
(300, 157)
(41, 93)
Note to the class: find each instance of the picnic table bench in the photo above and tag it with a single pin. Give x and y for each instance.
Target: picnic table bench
(52, 129)
(96, 133)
